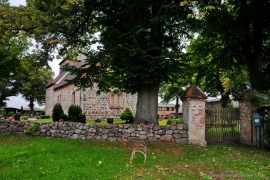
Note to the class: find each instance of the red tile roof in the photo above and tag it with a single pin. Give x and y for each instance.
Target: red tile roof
(193, 92)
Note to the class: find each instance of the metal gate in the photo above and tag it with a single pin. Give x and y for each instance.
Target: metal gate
(222, 126)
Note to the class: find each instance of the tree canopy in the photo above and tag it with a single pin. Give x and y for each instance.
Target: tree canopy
(139, 43)
(33, 79)
(13, 46)
(234, 36)
(17, 27)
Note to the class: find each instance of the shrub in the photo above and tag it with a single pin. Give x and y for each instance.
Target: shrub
(64, 117)
(11, 113)
(82, 118)
(57, 111)
(45, 117)
(25, 117)
(31, 129)
(174, 120)
(75, 113)
(127, 115)
(74, 110)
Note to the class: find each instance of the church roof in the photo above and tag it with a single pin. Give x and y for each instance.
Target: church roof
(64, 82)
(62, 78)
(55, 80)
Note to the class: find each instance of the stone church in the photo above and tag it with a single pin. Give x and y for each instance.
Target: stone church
(103, 106)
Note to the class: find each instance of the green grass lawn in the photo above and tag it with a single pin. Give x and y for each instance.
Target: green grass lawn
(115, 121)
(27, 157)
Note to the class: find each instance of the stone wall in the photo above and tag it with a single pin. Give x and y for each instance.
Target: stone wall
(64, 96)
(98, 106)
(93, 105)
(110, 132)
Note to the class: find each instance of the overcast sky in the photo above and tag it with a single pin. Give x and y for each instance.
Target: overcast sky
(18, 101)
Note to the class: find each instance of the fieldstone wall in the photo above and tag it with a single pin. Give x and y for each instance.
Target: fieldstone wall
(64, 96)
(98, 106)
(93, 105)
(110, 132)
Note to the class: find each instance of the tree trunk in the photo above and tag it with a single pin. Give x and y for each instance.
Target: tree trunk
(225, 99)
(177, 107)
(252, 50)
(147, 105)
(31, 104)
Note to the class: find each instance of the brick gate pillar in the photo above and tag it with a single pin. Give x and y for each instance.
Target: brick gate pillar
(246, 110)
(194, 114)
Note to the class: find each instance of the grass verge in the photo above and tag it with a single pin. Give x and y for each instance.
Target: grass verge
(26, 157)
(115, 121)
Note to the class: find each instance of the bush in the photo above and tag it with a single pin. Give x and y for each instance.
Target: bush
(25, 117)
(82, 118)
(45, 117)
(11, 113)
(127, 115)
(57, 111)
(31, 129)
(64, 117)
(74, 110)
(174, 120)
(75, 114)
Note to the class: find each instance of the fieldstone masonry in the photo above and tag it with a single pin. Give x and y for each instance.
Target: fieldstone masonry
(102, 106)
(112, 132)
(93, 105)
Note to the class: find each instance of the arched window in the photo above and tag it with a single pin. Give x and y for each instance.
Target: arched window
(59, 99)
(116, 100)
(73, 97)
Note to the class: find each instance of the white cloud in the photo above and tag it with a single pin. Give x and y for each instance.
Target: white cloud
(18, 102)
(55, 66)
(17, 2)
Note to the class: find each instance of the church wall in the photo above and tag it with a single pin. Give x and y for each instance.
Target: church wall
(93, 105)
(63, 95)
(100, 106)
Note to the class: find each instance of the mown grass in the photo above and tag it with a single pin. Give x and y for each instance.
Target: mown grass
(233, 125)
(115, 121)
(26, 157)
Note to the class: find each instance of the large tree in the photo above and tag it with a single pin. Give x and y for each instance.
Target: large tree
(174, 87)
(238, 31)
(139, 43)
(13, 45)
(17, 25)
(217, 70)
(33, 79)
(10, 65)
